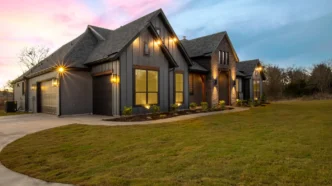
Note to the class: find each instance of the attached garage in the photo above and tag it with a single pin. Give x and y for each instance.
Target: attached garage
(47, 97)
(102, 95)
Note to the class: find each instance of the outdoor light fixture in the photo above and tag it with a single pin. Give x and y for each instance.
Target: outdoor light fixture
(215, 82)
(55, 82)
(61, 69)
(33, 87)
(115, 78)
(259, 68)
(147, 107)
(175, 39)
(158, 42)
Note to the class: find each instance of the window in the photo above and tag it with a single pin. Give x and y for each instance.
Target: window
(23, 88)
(223, 58)
(256, 89)
(238, 85)
(191, 84)
(146, 48)
(227, 58)
(178, 88)
(158, 31)
(146, 87)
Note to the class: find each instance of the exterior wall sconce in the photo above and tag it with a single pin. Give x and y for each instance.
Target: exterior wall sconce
(115, 79)
(158, 42)
(260, 68)
(33, 87)
(55, 82)
(61, 69)
(215, 82)
(175, 39)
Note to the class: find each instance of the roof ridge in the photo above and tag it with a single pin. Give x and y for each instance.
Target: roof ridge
(223, 32)
(93, 26)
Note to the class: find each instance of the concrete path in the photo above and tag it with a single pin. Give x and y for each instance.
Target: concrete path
(15, 127)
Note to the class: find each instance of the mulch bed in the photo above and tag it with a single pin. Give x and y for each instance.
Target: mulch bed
(150, 116)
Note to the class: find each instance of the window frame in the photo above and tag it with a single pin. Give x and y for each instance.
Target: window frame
(192, 77)
(146, 69)
(179, 72)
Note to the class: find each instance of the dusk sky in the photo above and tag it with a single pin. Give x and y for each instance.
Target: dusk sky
(282, 32)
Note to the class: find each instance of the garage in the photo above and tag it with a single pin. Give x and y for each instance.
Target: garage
(47, 97)
(102, 95)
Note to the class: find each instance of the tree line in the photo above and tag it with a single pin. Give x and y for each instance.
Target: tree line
(293, 82)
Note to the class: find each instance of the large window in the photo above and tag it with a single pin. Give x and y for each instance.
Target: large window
(178, 88)
(256, 89)
(191, 84)
(146, 87)
(223, 57)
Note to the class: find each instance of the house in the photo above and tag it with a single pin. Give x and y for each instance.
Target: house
(249, 80)
(137, 65)
(213, 75)
(101, 71)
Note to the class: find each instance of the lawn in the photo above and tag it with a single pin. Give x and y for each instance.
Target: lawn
(287, 143)
(3, 113)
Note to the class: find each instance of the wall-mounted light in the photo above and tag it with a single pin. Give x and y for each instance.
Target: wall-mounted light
(157, 42)
(33, 87)
(115, 79)
(55, 82)
(215, 82)
(260, 68)
(61, 69)
(174, 39)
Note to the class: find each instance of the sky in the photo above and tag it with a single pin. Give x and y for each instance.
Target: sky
(281, 32)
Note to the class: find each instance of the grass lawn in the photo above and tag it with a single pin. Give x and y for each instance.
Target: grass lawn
(287, 143)
(3, 113)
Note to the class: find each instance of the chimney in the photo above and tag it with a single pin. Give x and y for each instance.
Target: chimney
(184, 37)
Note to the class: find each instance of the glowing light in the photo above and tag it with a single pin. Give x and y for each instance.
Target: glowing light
(179, 104)
(158, 42)
(147, 107)
(175, 39)
(259, 68)
(61, 69)
(55, 82)
(115, 78)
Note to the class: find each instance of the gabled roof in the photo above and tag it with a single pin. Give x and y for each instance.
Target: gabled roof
(197, 68)
(206, 45)
(248, 67)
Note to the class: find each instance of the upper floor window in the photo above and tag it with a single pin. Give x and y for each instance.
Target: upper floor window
(146, 48)
(179, 88)
(146, 87)
(223, 57)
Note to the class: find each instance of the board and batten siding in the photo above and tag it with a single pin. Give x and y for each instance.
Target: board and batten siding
(173, 47)
(115, 67)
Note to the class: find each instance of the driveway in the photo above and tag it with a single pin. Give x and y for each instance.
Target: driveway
(14, 127)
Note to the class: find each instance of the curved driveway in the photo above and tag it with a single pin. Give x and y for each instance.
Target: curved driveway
(14, 127)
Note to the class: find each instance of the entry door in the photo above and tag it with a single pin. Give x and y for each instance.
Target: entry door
(102, 95)
(48, 97)
(224, 87)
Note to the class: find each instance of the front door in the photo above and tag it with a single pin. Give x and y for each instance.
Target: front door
(102, 95)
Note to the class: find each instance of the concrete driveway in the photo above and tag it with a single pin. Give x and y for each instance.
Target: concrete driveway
(14, 127)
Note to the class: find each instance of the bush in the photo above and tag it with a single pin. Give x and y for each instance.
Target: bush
(127, 111)
(239, 103)
(205, 106)
(222, 104)
(250, 103)
(155, 109)
(256, 102)
(193, 105)
(263, 98)
(174, 107)
(215, 107)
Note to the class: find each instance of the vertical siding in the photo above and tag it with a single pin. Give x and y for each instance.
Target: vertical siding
(115, 67)
(197, 97)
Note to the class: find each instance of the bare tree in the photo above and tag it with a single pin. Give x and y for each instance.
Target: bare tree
(321, 77)
(275, 81)
(30, 56)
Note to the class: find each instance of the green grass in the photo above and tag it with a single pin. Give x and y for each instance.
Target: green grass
(286, 143)
(3, 113)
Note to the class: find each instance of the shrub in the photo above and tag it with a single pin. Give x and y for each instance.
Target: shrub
(205, 106)
(193, 105)
(263, 98)
(174, 107)
(127, 111)
(250, 103)
(155, 109)
(239, 102)
(215, 107)
(222, 104)
(256, 102)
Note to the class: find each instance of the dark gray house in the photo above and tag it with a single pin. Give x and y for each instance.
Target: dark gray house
(139, 64)
(213, 76)
(249, 79)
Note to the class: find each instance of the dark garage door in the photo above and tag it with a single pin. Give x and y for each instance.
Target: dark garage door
(102, 95)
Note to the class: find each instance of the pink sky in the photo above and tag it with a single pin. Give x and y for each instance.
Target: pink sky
(53, 23)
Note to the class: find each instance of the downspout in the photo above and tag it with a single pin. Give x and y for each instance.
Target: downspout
(60, 83)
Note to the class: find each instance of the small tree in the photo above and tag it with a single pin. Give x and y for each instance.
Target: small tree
(321, 77)
(30, 56)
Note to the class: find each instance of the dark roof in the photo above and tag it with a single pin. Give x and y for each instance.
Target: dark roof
(117, 39)
(247, 68)
(203, 46)
(197, 68)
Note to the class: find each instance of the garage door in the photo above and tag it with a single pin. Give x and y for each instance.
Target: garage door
(48, 97)
(102, 95)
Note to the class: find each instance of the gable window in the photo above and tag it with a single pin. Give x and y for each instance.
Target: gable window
(227, 58)
(23, 88)
(179, 88)
(146, 48)
(146, 87)
(191, 84)
(158, 31)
